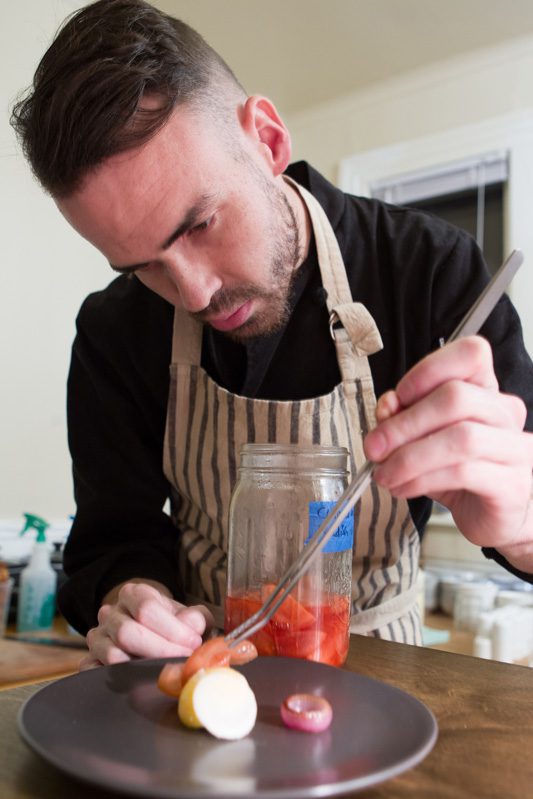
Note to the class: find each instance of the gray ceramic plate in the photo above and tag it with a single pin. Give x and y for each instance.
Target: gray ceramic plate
(113, 728)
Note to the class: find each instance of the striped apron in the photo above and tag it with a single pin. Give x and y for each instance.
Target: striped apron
(207, 425)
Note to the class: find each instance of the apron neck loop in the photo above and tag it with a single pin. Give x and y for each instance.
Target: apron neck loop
(357, 327)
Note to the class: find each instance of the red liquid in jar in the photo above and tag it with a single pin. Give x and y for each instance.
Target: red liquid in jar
(318, 631)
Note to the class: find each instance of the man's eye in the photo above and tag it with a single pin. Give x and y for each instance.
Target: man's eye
(202, 226)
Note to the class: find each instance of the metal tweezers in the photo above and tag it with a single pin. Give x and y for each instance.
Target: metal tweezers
(469, 326)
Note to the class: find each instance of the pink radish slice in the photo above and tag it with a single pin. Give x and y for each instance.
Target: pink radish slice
(306, 712)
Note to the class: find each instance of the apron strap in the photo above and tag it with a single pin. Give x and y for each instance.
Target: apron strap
(355, 340)
(364, 621)
(359, 336)
(186, 339)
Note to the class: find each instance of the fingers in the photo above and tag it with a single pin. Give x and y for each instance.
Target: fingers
(134, 639)
(459, 455)
(102, 649)
(144, 623)
(468, 359)
(157, 614)
(88, 662)
(449, 404)
(483, 475)
(473, 494)
(388, 405)
(198, 618)
(447, 432)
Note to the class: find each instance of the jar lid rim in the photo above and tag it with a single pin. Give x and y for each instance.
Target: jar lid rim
(294, 448)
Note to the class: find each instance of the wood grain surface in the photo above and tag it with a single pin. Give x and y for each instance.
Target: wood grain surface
(484, 710)
(20, 662)
(485, 714)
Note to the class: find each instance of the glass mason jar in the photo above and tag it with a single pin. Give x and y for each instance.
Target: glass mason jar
(282, 495)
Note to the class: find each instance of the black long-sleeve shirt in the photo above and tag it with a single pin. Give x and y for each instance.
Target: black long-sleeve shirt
(415, 274)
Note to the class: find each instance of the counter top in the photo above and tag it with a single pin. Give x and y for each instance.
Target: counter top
(484, 711)
(23, 662)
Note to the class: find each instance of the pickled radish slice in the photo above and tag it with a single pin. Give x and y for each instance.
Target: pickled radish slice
(242, 653)
(170, 680)
(217, 652)
(211, 654)
(291, 612)
(306, 712)
(220, 700)
(313, 631)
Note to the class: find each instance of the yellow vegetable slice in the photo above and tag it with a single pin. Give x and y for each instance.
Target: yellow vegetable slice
(220, 700)
(186, 712)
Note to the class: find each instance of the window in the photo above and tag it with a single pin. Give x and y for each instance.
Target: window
(481, 217)
(468, 194)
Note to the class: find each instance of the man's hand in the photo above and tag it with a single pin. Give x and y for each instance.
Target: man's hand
(448, 433)
(138, 619)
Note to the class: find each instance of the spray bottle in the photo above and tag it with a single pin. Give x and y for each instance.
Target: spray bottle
(38, 582)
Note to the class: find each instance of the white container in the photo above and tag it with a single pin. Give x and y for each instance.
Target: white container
(431, 590)
(521, 598)
(471, 600)
(509, 631)
(512, 634)
(448, 585)
(38, 582)
(482, 647)
(447, 590)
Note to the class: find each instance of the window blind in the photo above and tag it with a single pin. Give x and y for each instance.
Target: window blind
(457, 176)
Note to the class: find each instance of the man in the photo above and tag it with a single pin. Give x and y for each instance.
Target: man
(231, 263)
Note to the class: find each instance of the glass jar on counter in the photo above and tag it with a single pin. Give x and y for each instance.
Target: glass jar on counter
(282, 496)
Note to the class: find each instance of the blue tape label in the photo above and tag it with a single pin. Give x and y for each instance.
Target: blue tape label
(342, 538)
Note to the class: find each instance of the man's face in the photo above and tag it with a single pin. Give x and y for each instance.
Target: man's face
(200, 219)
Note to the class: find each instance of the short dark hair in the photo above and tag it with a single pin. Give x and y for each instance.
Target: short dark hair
(85, 101)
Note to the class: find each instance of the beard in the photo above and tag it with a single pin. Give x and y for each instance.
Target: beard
(283, 257)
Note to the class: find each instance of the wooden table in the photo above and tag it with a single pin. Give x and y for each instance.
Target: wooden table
(484, 710)
(21, 663)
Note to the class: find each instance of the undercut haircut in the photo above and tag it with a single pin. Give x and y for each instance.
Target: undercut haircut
(86, 100)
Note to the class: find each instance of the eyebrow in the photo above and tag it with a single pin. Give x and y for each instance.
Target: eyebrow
(189, 221)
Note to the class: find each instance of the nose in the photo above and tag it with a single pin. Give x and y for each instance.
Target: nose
(195, 281)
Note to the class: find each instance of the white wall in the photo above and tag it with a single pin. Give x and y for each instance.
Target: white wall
(447, 95)
(429, 117)
(45, 273)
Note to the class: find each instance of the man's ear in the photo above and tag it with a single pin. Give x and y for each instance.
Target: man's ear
(262, 124)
